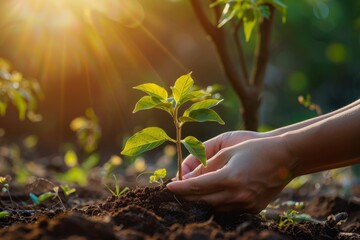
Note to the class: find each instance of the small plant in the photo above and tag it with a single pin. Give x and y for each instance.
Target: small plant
(5, 187)
(42, 198)
(4, 214)
(87, 130)
(88, 134)
(77, 172)
(117, 191)
(67, 190)
(52, 195)
(182, 92)
(291, 216)
(158, 176)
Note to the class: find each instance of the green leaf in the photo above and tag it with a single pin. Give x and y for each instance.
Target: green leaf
(264, 11)
(202, 115)
(278, 5)
(43, 197)
(249, 19)
(207, 103)
(148, 102)
(90, 162)
(160, 173)
(153, 90)
(195, 95)
(196, 148)
(4, 214)
(21, 104)
(75, 175)
(145, 140)
(70, 158)
(182, 87)
(67, 190)
(3, 107)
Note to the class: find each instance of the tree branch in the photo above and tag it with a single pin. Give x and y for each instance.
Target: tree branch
(262, 50)
(218, 36)
(235, 33)
(203, 18)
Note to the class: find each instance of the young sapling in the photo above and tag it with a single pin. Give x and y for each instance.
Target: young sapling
(67, 190)
(4, 214)
(53, 195)
(5, 187)
(117, 191)
(158, 176)
(157, 97)
(42, 198)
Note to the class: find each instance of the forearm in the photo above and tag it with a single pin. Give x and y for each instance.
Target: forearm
(333, 141)
(306, 123)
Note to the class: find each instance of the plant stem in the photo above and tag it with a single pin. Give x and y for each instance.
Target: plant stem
(178, 146)
(178, 141)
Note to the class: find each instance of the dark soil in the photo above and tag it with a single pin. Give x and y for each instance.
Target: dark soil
(155, 213)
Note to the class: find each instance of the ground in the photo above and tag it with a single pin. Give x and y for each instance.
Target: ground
(156, 213)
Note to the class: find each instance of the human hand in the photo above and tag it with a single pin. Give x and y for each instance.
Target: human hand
(243, 178)
(217, 143)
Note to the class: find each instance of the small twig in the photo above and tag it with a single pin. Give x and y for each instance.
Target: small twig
(177, 199)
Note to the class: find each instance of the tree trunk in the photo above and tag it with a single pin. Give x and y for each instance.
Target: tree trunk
(249, 110)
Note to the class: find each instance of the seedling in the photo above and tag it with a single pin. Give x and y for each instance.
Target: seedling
(4, 214)
(182, 92)
(67, 190)
(42, 198)
(5, 187)
(77, 172)
(158, 176)
(291, 216)
(51, 195)
(88, 134)
(87, 130)
(117, 191)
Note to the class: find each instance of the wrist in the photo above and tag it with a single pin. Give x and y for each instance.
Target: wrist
(292, 158)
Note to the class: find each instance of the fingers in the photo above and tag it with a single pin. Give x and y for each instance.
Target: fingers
(213, 164)
(205, 184)
(227, 200)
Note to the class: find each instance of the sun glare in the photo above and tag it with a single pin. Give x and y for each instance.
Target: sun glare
(74, 42)
(67, 35)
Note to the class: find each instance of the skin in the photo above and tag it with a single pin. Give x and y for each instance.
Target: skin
(247, 170)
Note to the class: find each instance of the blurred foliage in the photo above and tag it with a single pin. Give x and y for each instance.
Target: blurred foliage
(22, 93)
(78, 172)
(249, 12)
(315, 53)
(87, 130)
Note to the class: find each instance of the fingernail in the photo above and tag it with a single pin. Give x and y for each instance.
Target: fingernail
(170, 185)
